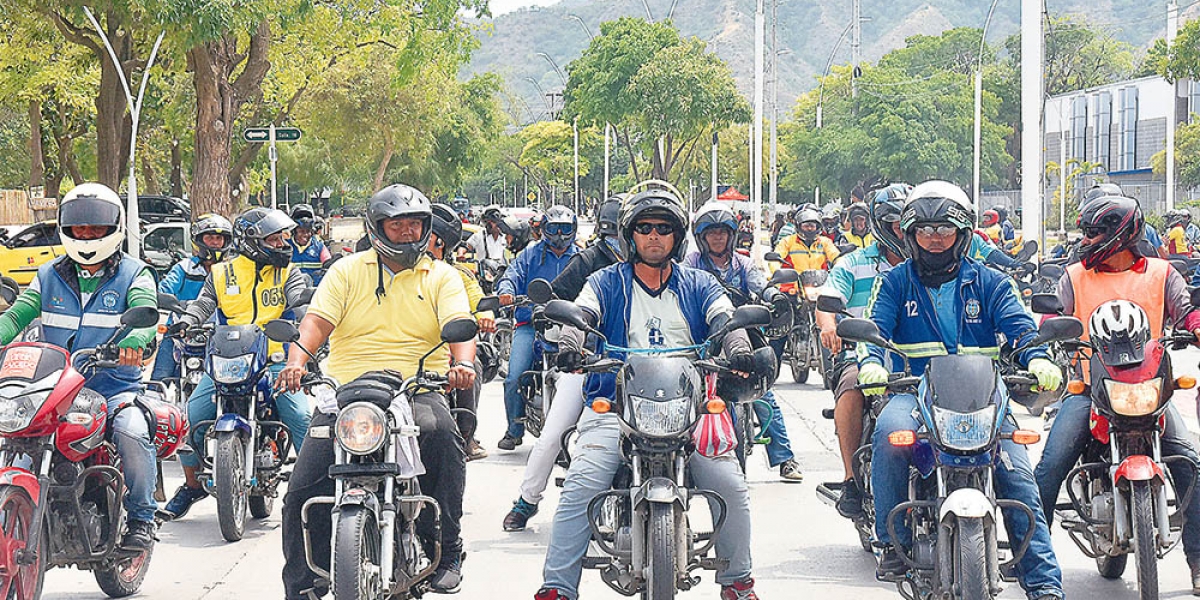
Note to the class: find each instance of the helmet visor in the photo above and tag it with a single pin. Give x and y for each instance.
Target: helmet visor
(89, 211)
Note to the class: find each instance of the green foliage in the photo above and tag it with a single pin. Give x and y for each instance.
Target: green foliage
(1187, 156)
(1182, 59)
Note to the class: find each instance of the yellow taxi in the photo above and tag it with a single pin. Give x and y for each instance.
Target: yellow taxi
(32, 247)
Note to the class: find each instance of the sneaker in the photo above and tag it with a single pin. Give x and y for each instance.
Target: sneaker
(890, 565)
(742, 590)
(448, 576)
(509, 442)
(182, 502)
(549, 594)
(789, 470)
(519, 515)
(849, 505)
(140, 536)
(475, 451)
(1194, 566)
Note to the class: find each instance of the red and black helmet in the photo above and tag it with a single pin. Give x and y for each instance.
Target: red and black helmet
(1113, 224)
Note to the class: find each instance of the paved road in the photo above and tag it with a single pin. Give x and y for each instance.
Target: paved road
(802, 549)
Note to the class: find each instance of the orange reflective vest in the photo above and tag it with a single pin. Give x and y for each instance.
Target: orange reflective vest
(1144, 285)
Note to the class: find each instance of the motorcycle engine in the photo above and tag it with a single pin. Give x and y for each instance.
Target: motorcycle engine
(93, 522)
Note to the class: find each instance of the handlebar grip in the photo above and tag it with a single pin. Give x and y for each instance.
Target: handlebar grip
(1020, 379)
(105, 364)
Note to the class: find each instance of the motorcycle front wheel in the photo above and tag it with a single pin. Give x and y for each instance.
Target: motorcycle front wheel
(661, 583)
(16, 517)
(971, 554)
(356, 555)
(1144, 542)
(229, 479)
(798, 358)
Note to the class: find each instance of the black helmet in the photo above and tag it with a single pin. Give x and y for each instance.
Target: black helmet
(1101, 190)
(713, 214)
(399, 200)
(250, 233)
(886, 206)
(559, 226)
(804, 215)
(491, 213)
(1119, 223)
(608, 216)
(304, 216)
(447, 226)
(207, 224)
(858, 209)
(659, 203)
(520, 232)
(931, 203)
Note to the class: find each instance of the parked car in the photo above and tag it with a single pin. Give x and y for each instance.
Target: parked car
(161, 209)
(32, 247)
(164, 244)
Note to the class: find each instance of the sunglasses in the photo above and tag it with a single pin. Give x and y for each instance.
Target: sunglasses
(659, 228)
(559, 229)
(1092, 232)
(941, 231)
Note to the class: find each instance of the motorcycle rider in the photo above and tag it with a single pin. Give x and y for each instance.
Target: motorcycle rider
(831, 223)
(941, 302)
(858, 217)
(1111, 267)
(644, 302)
(255, 287)
(447, 234)
(488, 242)
(989, 224)
(543, 259)
(79, 298)
(564, 412)
(517, 235)
(852, 279)
(212, 238)
(712, 229)
(384, 309)
(807, 249)
(308, 251)
(1176, 242)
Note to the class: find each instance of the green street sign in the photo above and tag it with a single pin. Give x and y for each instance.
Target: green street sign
(263, 134)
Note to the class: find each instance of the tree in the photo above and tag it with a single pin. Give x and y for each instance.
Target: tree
(548, 154)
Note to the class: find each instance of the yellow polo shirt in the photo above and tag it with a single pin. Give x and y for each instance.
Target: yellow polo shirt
(396, 330)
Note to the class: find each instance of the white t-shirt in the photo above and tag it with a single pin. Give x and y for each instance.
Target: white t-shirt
(655, 321)
(487, 246)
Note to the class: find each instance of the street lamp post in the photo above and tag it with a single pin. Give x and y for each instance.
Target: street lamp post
(821, 94)
(979, 110)
(584, 26)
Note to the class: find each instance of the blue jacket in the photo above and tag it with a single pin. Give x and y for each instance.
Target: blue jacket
(184, 280)
(742, 274)
(310, 258)
(697, 290)
(536, 261)
(987, 304)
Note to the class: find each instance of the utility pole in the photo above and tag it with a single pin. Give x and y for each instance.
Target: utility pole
(979, 109)
(773, 194)
(575, 131)
(1172, 29)
(856, 48)
(607, 126)
(1031, 121)
(757, 138)
(714, 166)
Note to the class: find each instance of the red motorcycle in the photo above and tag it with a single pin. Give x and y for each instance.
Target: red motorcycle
(61, 487)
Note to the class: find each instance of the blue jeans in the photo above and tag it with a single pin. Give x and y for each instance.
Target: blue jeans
(779, 450)
(520, 359)
(1072, 432)
(294, 411)
(593, 466)
(1038, 570)
(165, 365)
(139, 464)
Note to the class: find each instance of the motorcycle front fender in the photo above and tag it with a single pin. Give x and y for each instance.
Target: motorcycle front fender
(22, 479)
(967, 503)
(1138, 467)
(232, 422)
(659, 490)
(357, 497)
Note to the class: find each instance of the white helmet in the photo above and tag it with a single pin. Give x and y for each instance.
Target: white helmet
(92, 204)
(1120, 330)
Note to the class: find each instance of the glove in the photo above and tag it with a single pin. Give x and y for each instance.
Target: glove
(1048, 374)
(569, 361)
(873, 374)
(176, 328)
(742, 362)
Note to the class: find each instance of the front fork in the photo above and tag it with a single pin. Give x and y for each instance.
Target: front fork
(1122, 518)
(29, 555)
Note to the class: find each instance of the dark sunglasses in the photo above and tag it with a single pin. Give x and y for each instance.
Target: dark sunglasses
(941, 231)
(1092, 232)
(559, 228)
(659, 228)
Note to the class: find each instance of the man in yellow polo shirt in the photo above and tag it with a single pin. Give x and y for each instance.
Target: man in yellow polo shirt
(384, 309)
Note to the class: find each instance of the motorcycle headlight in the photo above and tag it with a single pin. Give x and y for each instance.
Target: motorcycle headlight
(194, 363)
(232, 370)
(361, 428)
(16, 413)
(662, 417)
(1134, 399)
(965, 431)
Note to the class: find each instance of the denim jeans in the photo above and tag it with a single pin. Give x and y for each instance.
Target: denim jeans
(165, 365)
(592, 469)
(779, 450)
(1038, 570)
(131, 434)
(520, 359)
(294, 410)
(1072, 432)
(564, 412)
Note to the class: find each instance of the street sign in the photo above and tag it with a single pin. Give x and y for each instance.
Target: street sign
(263, 134)
(531, 196)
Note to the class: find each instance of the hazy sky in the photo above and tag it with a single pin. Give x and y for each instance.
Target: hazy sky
(500, 7)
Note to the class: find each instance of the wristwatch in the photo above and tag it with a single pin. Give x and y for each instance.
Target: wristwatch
(466, 363)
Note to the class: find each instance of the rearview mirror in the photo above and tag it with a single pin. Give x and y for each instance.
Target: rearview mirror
(750, 315)
(281, 331)
(860, 330)
(169, 302)
(9, 289)
(488, 303)
(783, 276)
(459, 330)
(1027, 251)
(772, 257)
(539, 291)
(305, 297)
(566, 313)
(1057, 329)
(1051, 271)
(831, 304)
(329, 263)
(140, 317)
(1045, 304)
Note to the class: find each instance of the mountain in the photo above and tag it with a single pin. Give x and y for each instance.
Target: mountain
(807, 33)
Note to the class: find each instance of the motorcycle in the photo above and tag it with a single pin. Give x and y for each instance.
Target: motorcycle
(376, 552)
(61, 485)
(189, 351)
(803, 348)
(1120, 494)
(952, 510)
(642, 525)
(537, 385)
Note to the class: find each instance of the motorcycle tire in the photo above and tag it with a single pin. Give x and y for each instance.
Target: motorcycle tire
(1111, 567)
(798, 359)
(229, 482)
(17, 509)
(261, 506)
(660, 584)
(121, 578)
(1144, 542)
(970, 554)
(744, 418)
(356, 545)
